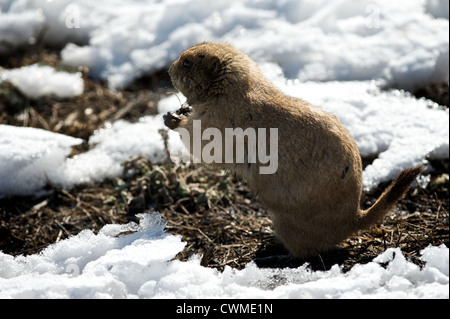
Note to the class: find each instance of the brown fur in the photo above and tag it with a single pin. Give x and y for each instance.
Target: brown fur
(314, 196)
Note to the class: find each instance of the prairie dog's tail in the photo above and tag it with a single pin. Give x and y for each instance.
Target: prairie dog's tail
(389, 198)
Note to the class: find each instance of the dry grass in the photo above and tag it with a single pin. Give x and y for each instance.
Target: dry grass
(215, 213)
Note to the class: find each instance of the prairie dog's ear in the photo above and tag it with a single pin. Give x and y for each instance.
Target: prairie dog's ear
(214, 66)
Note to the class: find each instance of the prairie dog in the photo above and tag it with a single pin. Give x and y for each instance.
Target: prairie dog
(314, 195)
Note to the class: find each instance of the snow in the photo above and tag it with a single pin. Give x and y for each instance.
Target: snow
(138, 265)
(29, 157)
(321, 40)
(336, 54)
(308, 39)
(35, 81)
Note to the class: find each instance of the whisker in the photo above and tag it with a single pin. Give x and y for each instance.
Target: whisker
(178, 98)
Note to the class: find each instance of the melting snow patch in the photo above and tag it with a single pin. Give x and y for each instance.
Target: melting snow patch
(35, 81)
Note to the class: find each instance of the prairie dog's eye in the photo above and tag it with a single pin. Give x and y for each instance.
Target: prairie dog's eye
(187, 63)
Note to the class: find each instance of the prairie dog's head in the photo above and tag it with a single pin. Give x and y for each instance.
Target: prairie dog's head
(209, 70)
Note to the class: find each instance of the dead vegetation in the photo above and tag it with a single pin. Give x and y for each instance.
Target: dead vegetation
(215, 213)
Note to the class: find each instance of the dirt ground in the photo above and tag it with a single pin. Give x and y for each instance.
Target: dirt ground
(215, 213)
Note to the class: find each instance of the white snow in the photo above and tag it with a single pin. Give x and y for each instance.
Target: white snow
(138, 265)
(337, 54)
(36, 81)
(29, 157)
(311, 40)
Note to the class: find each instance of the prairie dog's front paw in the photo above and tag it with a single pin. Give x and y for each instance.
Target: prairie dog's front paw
(173, 119)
